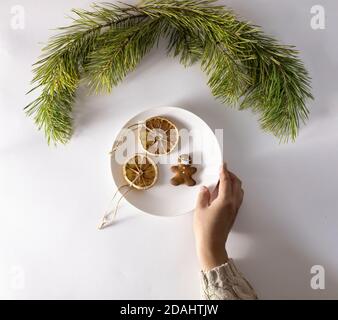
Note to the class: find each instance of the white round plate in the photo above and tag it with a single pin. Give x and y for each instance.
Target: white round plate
(164, 199)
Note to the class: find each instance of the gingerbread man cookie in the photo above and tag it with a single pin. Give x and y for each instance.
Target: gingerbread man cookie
(183, 171)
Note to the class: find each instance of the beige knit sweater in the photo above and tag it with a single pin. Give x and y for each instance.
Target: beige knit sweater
(226, 283)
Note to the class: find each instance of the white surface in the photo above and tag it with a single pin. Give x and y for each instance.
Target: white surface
(51, 198)
(196, 139)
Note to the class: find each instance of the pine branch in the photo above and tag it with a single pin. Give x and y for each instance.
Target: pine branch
(103, 45)
(118, 53)
(242, 63)
(60, 68)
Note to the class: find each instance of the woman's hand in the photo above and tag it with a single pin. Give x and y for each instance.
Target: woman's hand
(214, 217)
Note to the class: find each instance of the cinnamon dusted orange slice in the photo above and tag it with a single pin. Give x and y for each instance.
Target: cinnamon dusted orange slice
(158, 136)
(140, 172)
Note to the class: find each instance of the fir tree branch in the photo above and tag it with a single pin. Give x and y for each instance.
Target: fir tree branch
(103, 45)
(59, 70)
(118, 53)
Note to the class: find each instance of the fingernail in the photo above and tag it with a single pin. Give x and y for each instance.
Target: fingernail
(223, 167)
(203, 188)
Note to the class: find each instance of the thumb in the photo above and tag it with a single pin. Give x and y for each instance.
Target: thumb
(203, 198)
(225, 188)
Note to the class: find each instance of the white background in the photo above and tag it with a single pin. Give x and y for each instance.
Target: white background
(51, 199)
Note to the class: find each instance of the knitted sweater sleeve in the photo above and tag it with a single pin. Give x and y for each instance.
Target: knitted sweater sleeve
(225, 282)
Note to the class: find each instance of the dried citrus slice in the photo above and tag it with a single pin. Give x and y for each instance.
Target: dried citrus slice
(140, 172)
(158, 136)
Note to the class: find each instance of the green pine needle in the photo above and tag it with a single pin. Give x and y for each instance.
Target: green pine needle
(245, 67)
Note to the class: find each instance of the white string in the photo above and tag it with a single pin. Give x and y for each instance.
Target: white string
(118, 143)
(110, 216)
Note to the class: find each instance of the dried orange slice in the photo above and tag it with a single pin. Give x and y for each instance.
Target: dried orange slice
(158, 136)
(140, 172)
